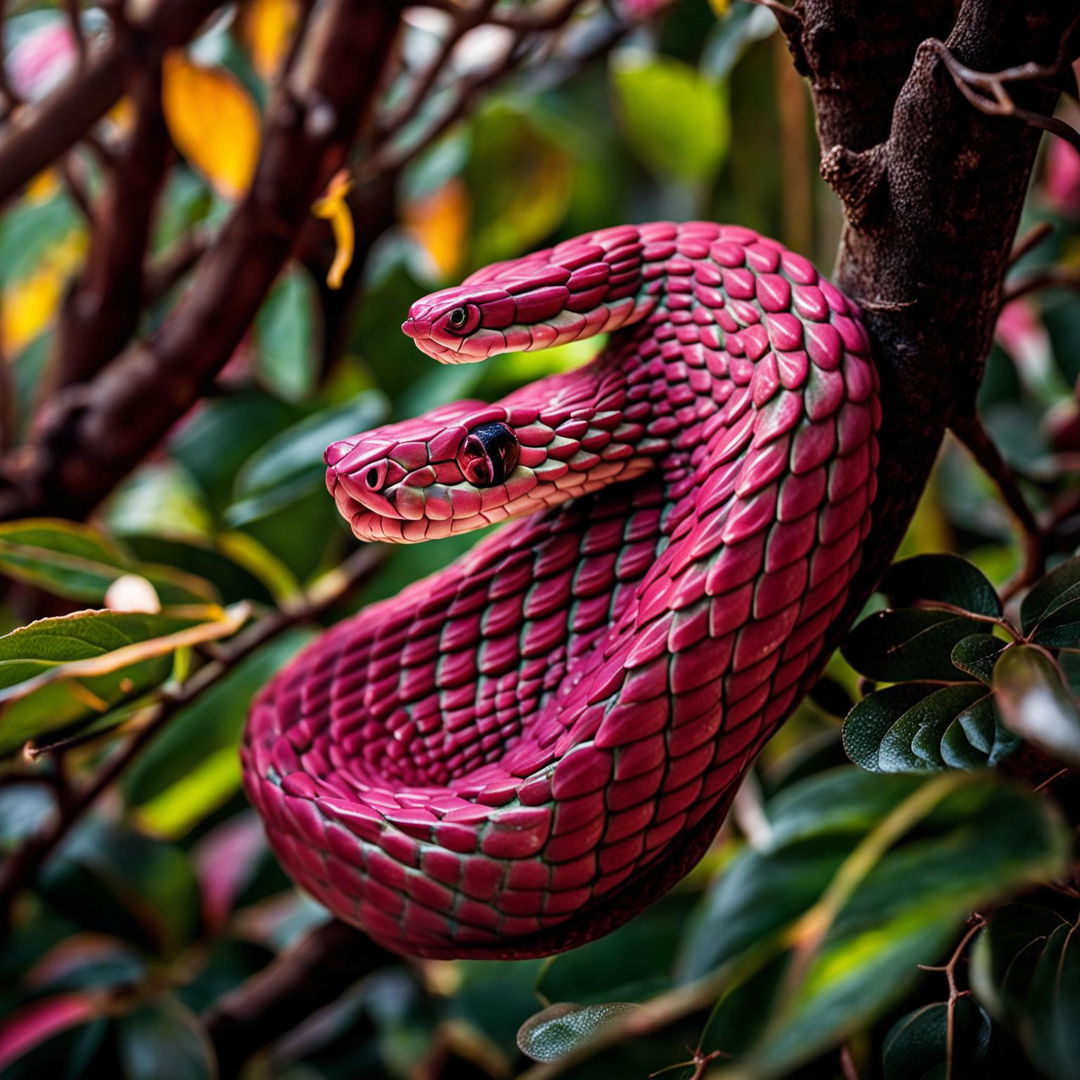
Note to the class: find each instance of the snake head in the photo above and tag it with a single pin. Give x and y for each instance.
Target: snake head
(468, 465)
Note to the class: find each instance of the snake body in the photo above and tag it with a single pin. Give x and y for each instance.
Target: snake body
(516, 754)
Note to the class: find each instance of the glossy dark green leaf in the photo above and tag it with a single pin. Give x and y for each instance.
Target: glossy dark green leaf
(914, 728)
(1050, 1029)
(1060, 625)
(947, 579)
(1005, 953)
(916, 1047)
(1026, 970)
(911, 643)
(291, 464)
(164, 1041)
(72, 669)
(977, 654)
(1049, 593)
(564, 1027)
(871, 719)
(1035, 703)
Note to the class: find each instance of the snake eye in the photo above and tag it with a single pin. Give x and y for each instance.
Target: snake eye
(375, 476)
(462, 320)
(488, 454)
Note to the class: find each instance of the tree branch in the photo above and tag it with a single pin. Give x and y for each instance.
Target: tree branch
(95, 87)
(301, 980)
(97, 434)
(101, 311)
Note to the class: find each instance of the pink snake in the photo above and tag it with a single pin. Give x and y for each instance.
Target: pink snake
(518, 753)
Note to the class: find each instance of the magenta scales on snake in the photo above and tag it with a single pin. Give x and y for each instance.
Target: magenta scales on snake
(518, 753)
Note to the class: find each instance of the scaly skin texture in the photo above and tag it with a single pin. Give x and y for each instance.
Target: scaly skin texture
(518, 753)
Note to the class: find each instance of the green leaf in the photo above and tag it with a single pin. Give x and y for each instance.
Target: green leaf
(164, 1041)
(912, 728)
(1060, 625)
(871, 719)
(916, 1047)
(856, 900)
(977, 655)
(75, 561)
(233, 581)
(911, 643)
(285, 332)
(675, 121)
(514, 208)
(944, 578)
(115, 879)
(1049, 593)
(56, 673)
(192, 766)
(290, 466)
(1026, 970)
(1004, 956)
(1034, 701)
(560, 1028)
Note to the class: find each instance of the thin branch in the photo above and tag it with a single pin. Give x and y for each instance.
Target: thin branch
(1049, 277)
(101, 313)
(1030, 241)
(301, 980)
(22, 866)
(986, 89)
(970, 431)
(66, 116)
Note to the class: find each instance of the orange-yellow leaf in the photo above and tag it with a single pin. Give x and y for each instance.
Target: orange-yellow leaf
(29, 304)
(334, 207)
(439, 222)
(266, 27)
(213, 122)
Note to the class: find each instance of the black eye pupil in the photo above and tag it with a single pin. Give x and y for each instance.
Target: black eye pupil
(458, 316)
(372, 478)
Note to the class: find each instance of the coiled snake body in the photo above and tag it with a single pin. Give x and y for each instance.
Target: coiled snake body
(518, 753)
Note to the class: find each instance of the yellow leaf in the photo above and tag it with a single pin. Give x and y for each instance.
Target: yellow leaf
(439, 222)
(335, 209)
(213, 122)
(721, 7)
(43, 187)
(29, 304)
(265, 28)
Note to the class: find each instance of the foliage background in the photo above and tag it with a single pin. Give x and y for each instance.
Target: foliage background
(794, 948)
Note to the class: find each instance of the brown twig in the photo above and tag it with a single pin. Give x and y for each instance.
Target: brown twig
(301, 980)
(1030, 241)
(969, 430)
(987, 92)
(1049, 277)
(949, 970)
(22, 866)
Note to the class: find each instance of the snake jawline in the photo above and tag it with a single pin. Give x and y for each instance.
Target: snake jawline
(519, 753)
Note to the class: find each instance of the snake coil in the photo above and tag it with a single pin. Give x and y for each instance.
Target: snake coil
(518, 753)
